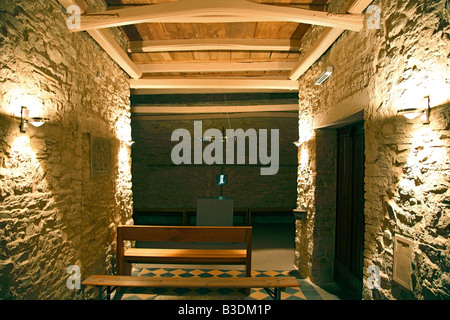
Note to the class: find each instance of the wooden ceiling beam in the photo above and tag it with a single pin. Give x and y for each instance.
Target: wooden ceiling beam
(105, 40)
(326, 40)
(203, 91)
(307, 6)
(214, 116)
(214, 44)
(215, 66)
(212, 109)
(80, 3)
(214, 83)
(113, 49)
(213, 11)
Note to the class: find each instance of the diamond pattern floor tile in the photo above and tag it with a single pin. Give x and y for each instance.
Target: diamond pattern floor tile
(304, 292)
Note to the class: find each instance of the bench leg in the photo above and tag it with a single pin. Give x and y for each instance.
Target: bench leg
(275, 294)
(108, 290)
(126, 269)
(248, 273)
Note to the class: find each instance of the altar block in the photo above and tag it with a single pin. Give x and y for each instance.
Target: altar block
(217, 211)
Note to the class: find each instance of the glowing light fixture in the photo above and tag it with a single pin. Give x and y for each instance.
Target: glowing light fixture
(25, 120)
(37, 122)
(413, 113)
(221, 179)
(324, 76)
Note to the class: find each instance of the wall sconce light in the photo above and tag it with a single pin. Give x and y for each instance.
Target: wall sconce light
(413, 113)
(25, 120)
(324, 76)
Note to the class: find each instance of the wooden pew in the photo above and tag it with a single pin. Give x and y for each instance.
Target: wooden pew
(179, 235)
(111, 283)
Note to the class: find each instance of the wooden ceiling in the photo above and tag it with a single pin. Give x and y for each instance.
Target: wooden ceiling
(179, 46)
(242, 49)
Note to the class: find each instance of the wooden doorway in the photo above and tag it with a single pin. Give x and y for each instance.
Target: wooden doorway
(349, 250)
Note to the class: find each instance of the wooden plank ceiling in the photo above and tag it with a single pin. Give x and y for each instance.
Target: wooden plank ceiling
(242, 49)
(213, 46)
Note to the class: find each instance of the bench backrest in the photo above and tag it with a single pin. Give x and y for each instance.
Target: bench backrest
(184, 234)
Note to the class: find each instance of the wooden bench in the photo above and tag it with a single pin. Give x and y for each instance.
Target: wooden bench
(183, 234)
(111, 283)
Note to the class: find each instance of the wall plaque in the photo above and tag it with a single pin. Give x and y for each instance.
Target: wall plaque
(403, 249)
(100, 156)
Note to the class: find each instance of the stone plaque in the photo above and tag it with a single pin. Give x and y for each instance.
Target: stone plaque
(100, 156)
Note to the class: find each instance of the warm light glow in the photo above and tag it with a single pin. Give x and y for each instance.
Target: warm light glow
(304, 158)
(123, 131)
(305, 129)
(124, 165)
(123, 159)
(424, 155)
(424, 110)
(31, 102)
(123, 180)
(411, 115)
(22, 156)
(20, 144)
(421, 84)
(36, 124)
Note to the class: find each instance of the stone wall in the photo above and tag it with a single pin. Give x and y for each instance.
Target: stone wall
(55, 212)
(159, 183)
(407, 162)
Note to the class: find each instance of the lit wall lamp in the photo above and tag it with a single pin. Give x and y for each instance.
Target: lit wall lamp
(324, 76)
(129, 143)
(25, 120)
(413, 113)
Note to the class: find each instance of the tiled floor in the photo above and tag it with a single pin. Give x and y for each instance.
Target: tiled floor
(305, 291)
(272, 255)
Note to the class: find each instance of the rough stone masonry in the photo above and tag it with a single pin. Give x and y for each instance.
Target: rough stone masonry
(53, 212)
(407, 163)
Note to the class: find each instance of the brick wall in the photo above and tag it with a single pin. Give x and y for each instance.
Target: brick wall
(53, 212)
(158, 183)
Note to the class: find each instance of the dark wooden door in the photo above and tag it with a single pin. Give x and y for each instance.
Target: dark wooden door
(349, 252)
